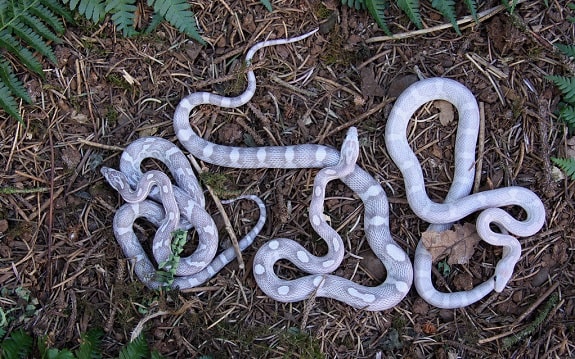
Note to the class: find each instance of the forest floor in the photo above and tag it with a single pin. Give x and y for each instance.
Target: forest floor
(62, 272)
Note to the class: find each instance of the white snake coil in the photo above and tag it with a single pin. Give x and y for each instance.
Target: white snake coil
(319, 282)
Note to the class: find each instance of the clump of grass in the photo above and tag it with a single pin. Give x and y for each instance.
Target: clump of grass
(20, 344)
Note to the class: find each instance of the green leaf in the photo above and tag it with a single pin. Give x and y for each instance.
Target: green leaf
(8, 78)
(447, 9)
(355, 4)
(568, 50)
(93, 10)
(411, 9)
(17, 346)
(135, 349)
(376, 8)
(55, 7)
(472, 6)
(50, 18)
(14, 47)
(510, 5)
(38, 27)
(178, 13)
(567, 115)
(567, 165)
(566, 85)
(267, 4)
(54, 353)
(123, 15)
(29, 36)
(90, 345)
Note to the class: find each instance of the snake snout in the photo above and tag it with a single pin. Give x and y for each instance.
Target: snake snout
(350, 147)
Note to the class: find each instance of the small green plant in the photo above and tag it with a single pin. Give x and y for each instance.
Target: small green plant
(21, 345)
(32, 25)
(567, 107)
(167, 270)
(26, 26)
(219, 183)
(519, 336)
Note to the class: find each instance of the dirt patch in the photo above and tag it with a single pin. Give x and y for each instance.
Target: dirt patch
(56, 240)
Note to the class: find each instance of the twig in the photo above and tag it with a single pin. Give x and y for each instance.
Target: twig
(13, 190)
(99, 145)
(482, 16)
(480, 148)
(359, 118)
(523, 316)
(227, 223)
(293, 88)
(50, 210)
(535, 304)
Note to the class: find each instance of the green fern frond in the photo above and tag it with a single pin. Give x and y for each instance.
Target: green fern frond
(377, 10)
(472, 6)
(8, 78)
(135, 349)
(567, 115)
(29, 36)
(90, 345)
(13, 46)
(411, 9)
(267, 4)
(26, 26)
(93, 10)
(566, 85)
(55, 7)
(178, 13)
(18, 345)
(567, 165)
(568, 50)
(510, 5)
(8, 103)
(37, 25)
(123, 14)
(355, 4)
(447, 9)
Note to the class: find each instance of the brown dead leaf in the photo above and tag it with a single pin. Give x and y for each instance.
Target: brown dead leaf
(71, 157)
(399, 85)
(457, 244)
(570, 147)
(372, 265)
(369, 86)
(3, 226)
(446, 114)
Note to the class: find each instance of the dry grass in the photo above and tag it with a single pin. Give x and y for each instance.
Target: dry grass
(55, 227)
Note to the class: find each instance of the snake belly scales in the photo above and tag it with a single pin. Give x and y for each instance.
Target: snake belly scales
(182, 205)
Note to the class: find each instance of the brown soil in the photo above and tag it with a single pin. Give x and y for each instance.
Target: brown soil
(56, 239)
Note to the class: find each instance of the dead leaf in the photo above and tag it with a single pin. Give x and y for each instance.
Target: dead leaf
(570, 147)
(369, 86)
(399, 85)
(3, 226)
(446, 114)
(372, 265)
(79, 117)
(71, 157)
(457, 244)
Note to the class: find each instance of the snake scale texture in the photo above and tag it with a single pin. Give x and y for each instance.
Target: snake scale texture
(151, 195)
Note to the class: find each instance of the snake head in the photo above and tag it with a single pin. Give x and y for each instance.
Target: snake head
(115, 178)
(505, 266)
(350, 147)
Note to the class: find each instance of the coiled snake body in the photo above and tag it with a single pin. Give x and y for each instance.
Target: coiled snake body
(342, 166)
